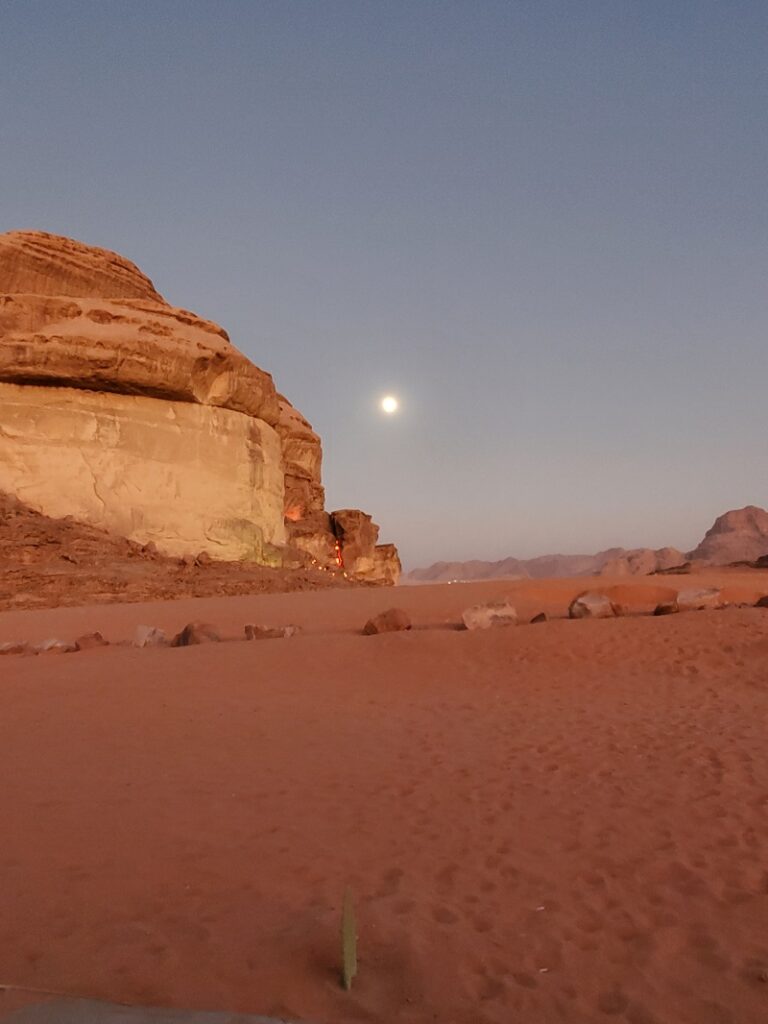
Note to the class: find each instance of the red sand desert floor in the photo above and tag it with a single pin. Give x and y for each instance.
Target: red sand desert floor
(565, 822)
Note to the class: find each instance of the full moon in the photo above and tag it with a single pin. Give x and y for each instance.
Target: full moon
(389, 404)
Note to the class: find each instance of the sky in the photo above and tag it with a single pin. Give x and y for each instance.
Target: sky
(542, 225)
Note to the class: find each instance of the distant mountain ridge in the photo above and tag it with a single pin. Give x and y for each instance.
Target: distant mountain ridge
(739, 535)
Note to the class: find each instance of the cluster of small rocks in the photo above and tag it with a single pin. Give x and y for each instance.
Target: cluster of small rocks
(148, 636)
(589, 605)
(487, 615)
(53, 646)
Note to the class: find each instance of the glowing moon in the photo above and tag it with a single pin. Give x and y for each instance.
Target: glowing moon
(389, 404)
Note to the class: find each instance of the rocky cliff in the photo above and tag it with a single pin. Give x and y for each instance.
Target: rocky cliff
(142, 419)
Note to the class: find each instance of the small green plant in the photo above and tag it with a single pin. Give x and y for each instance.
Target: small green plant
(348, 941)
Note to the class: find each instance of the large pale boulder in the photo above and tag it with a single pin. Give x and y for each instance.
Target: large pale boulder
(489, 615)
(592, 605)
(694, 600)
(186, 477)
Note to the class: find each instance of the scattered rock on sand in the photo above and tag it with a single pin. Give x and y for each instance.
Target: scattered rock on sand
(666, 608)
(149, 636)
(196, 633)
(541, 617)
(489, 615)
(89, 641)
(15, 648)
(253, 632)
(698, 600)
(592, 605)
(53, 646)
(393, 620)
(762, 602)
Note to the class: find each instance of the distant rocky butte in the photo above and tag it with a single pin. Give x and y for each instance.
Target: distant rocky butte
(738, 536)
(741, 535)
(142, 419)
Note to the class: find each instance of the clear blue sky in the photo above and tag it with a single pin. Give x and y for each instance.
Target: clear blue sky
(544, 225)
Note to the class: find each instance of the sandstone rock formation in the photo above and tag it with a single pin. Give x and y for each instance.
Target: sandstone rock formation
(134, 416)
(302, 463)
(737, 536)
(82, 317)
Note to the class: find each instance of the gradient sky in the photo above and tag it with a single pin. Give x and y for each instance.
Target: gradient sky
(544, 225)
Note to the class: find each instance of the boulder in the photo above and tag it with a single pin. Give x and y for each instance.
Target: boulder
(15, 648)
(54, 646)
(391, 621)
(666, 608)
(196, 633)
(593, 605)
(253, 632)
(541, 617)
(762, 602)
(149, 636)
(89, 641)
(489, 615)
(699, 599)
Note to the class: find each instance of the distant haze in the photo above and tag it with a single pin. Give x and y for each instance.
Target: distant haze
(543, 226)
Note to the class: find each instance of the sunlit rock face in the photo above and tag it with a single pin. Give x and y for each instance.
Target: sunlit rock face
(125, 412)
(302, 458)
(119, 335)
(188, 477)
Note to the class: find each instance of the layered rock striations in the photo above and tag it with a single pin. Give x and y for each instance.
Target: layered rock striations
(120, 335)
(143, 419)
